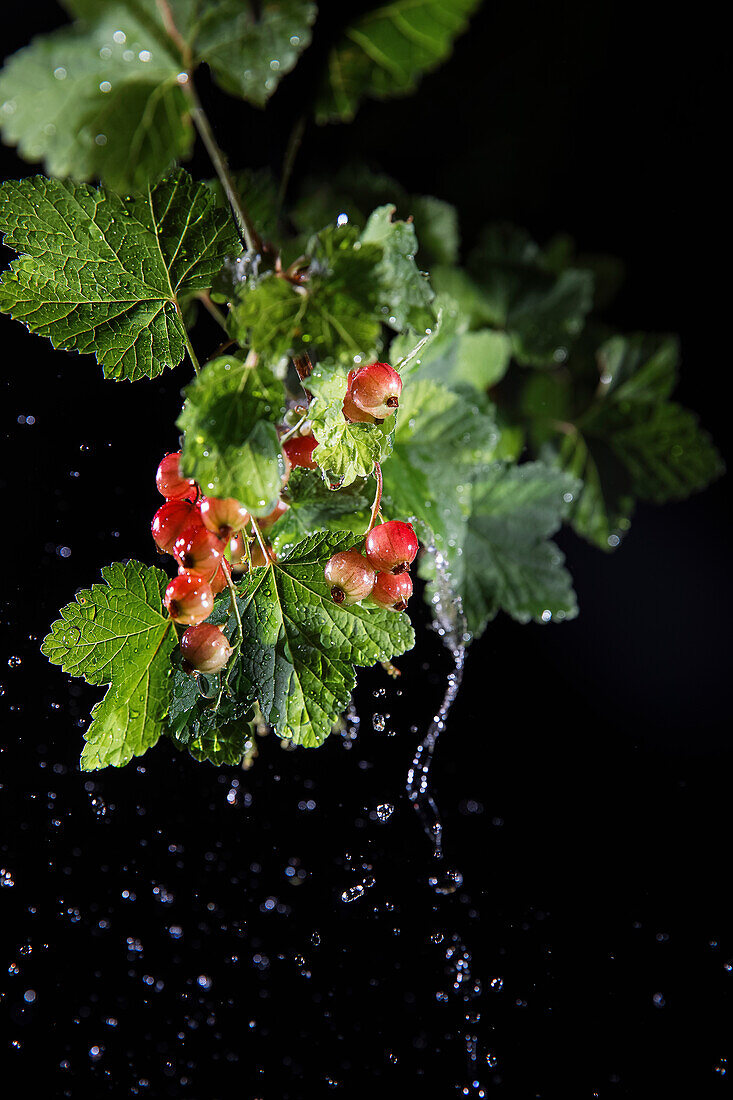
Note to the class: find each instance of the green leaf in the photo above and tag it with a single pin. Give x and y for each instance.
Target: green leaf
(207, 721)
(106, 98)
(97, 273)
(542, 311)
(116, 633)
(478, 359)
(436, 225)
(632, 442)
(231, 446)
(405, 293)
(300, 647)
(442, 440)
(345, 451)
(335, 312)
(385, 52)
(504, 560)
(313, 508)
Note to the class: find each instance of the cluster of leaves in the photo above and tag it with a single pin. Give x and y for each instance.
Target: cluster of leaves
(518, 409)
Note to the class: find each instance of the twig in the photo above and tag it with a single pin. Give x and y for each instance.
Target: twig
(205, 298)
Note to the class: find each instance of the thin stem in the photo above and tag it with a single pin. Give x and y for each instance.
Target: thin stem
(205, 298)
(191, 353)
(233, 597)
(291, 153)
(173, 32)
(247, 232)
(377, 497)
(261, 541)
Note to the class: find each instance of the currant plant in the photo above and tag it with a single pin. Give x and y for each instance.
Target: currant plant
(356, 407)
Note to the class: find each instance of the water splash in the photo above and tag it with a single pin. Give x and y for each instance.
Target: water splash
(450, 624)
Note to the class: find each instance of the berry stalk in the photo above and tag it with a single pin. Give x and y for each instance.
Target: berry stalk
(377, 498)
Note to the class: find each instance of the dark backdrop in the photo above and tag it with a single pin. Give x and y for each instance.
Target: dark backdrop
(175, 931)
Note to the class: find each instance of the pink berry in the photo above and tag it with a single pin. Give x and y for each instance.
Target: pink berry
(171, 483)
(299, 451)
(205, 648)
(199, 549)
(391, 547)
(353, 412)
(189, 599)
(392, 591)
(258, 558)
(223, 516)
(376, 389)
(350, 575)
(169, 521)
(279, 510)
(237, 553)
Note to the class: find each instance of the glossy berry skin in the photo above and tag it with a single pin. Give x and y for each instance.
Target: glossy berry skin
(188, 598)
(392, 591)
(376, 389)
(391, 547)
(279, 510)
(219, 581)
(223, 516)
(171, 519)
(199, 549)
(205, 648)
(237, 554)
(258, 558)
(354, 413)
(171, 483)
(299, 451)
(350, 575)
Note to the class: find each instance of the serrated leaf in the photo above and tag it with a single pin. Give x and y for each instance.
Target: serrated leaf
(345, 451)
(385, 52)
(231, 446)
(334, 313)
(632, 443)
(116, 633)
(106, 97)
(207, 721)
(436, 225)
(478, 359)
(103, 275)
(442, 440)
(300, 648)
(313, 507)
(404, 292)
(504, 560)
(543, 312)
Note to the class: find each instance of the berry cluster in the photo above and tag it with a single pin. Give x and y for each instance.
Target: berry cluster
(195, 530)
(381, 572)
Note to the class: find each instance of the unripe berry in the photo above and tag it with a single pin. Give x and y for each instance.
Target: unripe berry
(392, 591)
(223, 516)
(205, 648)
(237, 553)
(350, 575)
(199, 549)
(299, 451)
(353, 412)
(188, 599)
(279, 510)
(391, 547)
(376, 389)
(171, 483)
(170, 521)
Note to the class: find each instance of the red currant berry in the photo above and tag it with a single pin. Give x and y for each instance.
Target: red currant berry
(279, 510)
(237, 554)
(350, 575)
(189, 599)
(258, 558)
(169, 521)
(354, 413)
(171, 483)
(392, 591)
(205, 648)
(199, 549)
(219, 581)
(223, 516)
(391, 547)
(299, 451)
(376, 389)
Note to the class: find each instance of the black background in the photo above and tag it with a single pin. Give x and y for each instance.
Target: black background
(584, 778)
